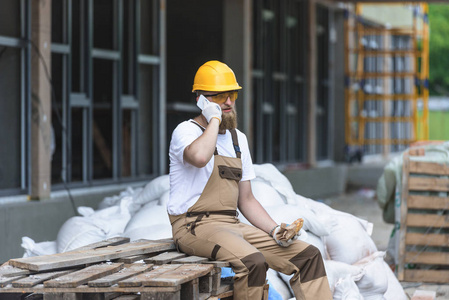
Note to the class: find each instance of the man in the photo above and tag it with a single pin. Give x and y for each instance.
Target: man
(210, 173)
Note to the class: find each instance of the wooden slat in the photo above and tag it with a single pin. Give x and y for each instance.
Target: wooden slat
(134, 258)
(6, 270)
(4, 281)
(109, 242)
(178, 276)
(219, 264)
(126, 272)
(33, 280)
(82, 276)
(403, 215)
(81, 257)
(436, 276)
(136, 281)
(434, 184)
(190, 260)
(128, 297)
(423, 167)
(427, 220)
(430, 239)
(430, 258)
(164, 258)
(427, 202)
(86, 289)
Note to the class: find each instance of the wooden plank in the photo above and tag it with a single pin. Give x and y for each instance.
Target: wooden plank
(435, 276)
(190, 290)
(178, 276)
(109, 242)
(63, 296)
(126, 272)
(81, 257)
(430, 258)
(32, 280)
(83, 276)
(427, 220)
(137, 280)
(434, 184)
(161, 296)
(190, 260)
(127, 297)
(427, 202)
(4, 281)
(424, 167)
(6, 270)
(164, 258)
(134, 258)
(430, 239)
(216, 263)
(403, 217)
(86, 289)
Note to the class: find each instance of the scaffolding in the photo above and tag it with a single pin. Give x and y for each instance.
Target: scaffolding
(386, 82)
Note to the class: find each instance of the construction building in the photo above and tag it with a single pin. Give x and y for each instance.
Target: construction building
(90, 91)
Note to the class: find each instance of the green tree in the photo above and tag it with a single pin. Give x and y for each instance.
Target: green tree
(439, 49)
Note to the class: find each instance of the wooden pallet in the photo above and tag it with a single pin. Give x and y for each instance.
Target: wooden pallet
(423, 235)
(115, 269)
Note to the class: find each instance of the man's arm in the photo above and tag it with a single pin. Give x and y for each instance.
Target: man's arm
(252, 209)
(200, 151)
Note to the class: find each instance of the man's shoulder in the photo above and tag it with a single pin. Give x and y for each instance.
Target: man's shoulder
(186, 126)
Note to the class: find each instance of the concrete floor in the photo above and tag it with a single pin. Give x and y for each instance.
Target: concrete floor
(362, 203)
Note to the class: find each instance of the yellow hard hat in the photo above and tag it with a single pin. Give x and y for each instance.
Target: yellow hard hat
(215, 76)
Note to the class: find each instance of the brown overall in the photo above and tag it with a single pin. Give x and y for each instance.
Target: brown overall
(210, 228)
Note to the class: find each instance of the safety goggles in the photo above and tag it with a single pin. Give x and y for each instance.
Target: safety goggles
(221, 98)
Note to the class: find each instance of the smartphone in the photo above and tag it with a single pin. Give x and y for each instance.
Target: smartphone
(201, 102)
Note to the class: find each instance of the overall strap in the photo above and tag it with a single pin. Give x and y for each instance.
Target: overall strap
(202, 128)
(235, 141)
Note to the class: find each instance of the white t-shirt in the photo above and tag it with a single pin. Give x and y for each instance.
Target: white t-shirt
(187, 182)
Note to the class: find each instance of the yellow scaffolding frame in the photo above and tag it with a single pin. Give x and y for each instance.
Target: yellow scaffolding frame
(356, 118)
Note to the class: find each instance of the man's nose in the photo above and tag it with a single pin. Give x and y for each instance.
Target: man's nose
(228, 101)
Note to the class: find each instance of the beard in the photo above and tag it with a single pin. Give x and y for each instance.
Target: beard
(228, 121)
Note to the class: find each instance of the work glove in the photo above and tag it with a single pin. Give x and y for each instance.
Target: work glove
(286, 234)
(211, 110)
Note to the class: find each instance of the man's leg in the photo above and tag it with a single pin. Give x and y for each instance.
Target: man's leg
(301, 259)
(226, 243)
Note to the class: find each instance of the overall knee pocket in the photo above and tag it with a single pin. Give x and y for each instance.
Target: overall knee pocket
(257, 268)
(310, 264)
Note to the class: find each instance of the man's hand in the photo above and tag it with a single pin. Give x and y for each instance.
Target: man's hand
(285, 234)
(212, 110)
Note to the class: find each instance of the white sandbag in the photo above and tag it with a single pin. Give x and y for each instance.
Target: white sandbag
(153, 190)
(394, 290)
(289, 213)
(346, 289)
(337, 271)
(164, 198)
(278, 284)
(115, 199)
(266, 194)
(103, 224)
(152, 232)
(277, 180)
(348, 241)
(148, 215)
(36, 249)
(374, 283)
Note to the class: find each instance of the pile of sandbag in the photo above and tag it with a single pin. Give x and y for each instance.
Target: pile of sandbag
(355, 268)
